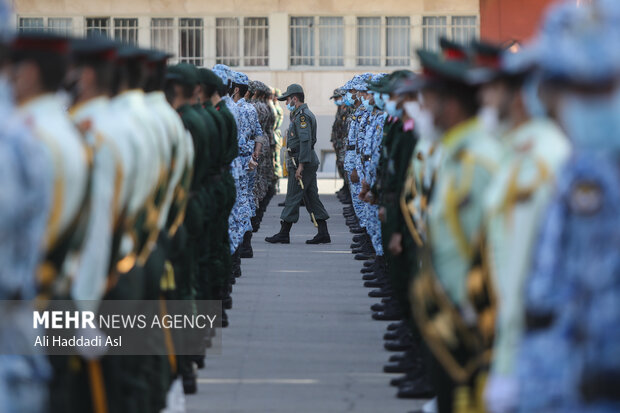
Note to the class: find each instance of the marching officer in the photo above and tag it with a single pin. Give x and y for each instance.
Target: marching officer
(301, 138)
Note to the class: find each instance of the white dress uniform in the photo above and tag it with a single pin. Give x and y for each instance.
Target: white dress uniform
(92, 119)
(516, 202)
(48, 122)
(129, 107)
(175, 144)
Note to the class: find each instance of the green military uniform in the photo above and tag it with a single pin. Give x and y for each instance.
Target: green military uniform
(301, 138)
(186, 264)
(204, 275)
(398, 148)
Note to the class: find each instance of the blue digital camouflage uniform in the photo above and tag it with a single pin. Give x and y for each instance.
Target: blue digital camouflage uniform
(571, 347)
(370, 154)
(358, 122)
(250, 126)
(236, 224)
(25, 178)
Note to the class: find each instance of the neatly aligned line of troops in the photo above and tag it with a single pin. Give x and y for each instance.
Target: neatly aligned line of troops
(147, 188)
(496, 182)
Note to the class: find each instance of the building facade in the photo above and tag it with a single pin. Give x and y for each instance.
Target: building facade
(318, 43)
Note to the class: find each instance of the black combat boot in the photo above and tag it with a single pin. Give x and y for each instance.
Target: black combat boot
(245, 250)
(322, 237)
(283, 236)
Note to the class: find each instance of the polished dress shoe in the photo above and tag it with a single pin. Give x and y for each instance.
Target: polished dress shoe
(377, 283)
(389, 315)
(415, 389)
(395, 326)
(368, 275)
(397, 345)
(379, 293)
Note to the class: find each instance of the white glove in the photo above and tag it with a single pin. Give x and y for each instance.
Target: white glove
(501, 394)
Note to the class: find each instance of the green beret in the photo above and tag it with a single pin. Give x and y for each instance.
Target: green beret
(183, 73)
(207, 77)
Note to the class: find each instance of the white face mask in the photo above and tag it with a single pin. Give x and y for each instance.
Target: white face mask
(412, 109)
(491, 123)
(425, 126)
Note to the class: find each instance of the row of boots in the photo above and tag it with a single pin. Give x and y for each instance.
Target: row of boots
(400, 337)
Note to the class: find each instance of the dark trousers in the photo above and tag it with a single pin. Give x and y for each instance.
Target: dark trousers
(295, 195)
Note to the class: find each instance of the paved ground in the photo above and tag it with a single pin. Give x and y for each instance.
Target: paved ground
(301, 337)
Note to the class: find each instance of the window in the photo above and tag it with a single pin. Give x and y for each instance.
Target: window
(126, 31)
(397, 39)
(190, 41)
(256, 41)
(369, 41)
(464, 28)
(60, 25)
(227, 41)
(97, 26)
(302, 41)
(433, 27)
(331, 41)
(162, 35)
(29, 24)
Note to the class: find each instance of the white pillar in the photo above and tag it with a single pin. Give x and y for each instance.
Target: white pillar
(350, 41)
(416, 40)
(279, 42)
(144, 32)
(208, 41)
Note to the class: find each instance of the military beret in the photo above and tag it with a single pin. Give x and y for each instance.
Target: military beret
(223, 72)
(97, 48)
(158, 56)
(240, 78)
(389, 83)
(437, 69)
(40, 42)
(208, 77)
(409, 84)
(291, 90)
(183, 73)
(452, 50)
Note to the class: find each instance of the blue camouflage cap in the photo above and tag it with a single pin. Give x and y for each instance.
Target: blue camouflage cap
(223, 72)
(240, 78)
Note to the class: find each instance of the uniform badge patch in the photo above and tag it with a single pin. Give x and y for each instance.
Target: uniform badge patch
(353, 117)
(586, 198)
(303, 125)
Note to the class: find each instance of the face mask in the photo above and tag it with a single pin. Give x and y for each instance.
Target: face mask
(390, 108)
(426, 126)
(338, 102)
(348, 99)
(379, 102)
(491, 123)
(412, 109)
(385, 97)
(366, 103)
(290, 106)
(592, 122)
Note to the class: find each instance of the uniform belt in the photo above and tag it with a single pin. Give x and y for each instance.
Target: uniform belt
(350, 147)
(366, 158)
(292, 152)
